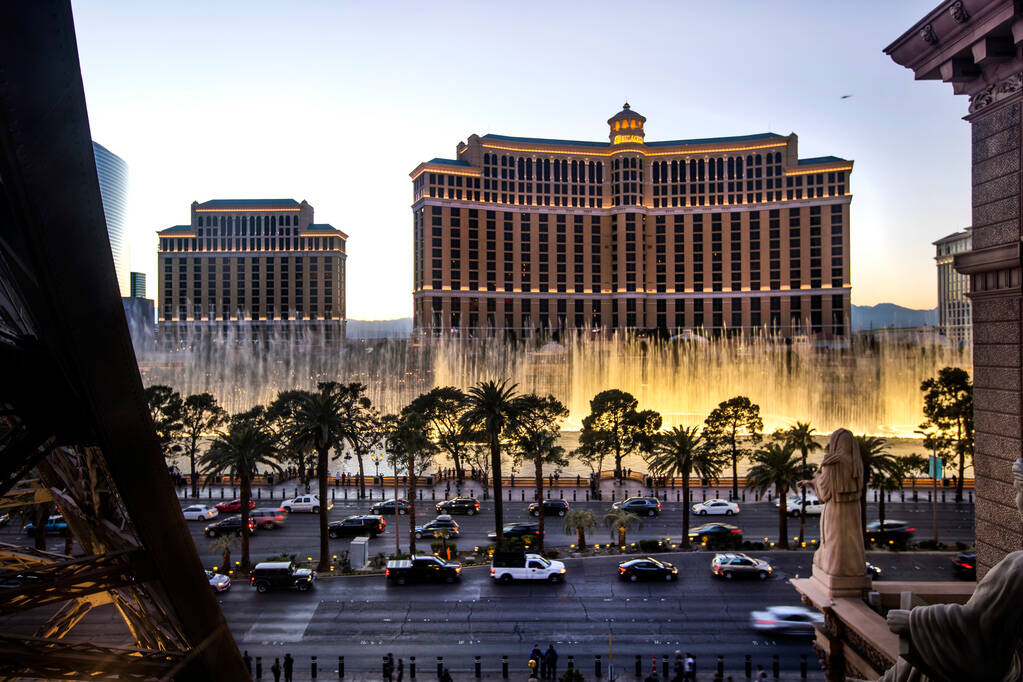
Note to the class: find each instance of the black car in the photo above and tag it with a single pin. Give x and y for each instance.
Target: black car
(442, 522)
(459, 505)
(965, 565)
(387, 507)
(644, 506)
(228, 526)
(281, 575)
(354, 526)
(518, 530)
(873, 571)
(895, 533)
(716, 534)
(647, 568)
(550, 508)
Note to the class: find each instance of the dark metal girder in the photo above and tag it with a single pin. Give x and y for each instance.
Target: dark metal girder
(64, 660)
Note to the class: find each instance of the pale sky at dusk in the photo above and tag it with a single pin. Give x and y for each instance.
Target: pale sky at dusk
(336, 102)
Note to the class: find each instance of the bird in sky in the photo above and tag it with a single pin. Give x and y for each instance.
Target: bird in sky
(846, 96)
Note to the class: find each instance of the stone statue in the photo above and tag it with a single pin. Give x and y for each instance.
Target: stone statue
(979, 640)
(840, 561)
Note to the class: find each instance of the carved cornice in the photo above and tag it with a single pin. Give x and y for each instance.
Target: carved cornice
(958, 12)
(994, 271)
(996, 92)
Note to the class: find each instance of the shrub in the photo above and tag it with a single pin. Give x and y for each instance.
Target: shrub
(437, 548)
(650, 545)
(281, 557)
(572, 675)
(552, 553)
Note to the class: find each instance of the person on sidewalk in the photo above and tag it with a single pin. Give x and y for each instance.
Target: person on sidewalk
(550, 660)
(289, 667)
(275, 669)
(689, 668)
(401, 670)
(248, 662)
(446, 676)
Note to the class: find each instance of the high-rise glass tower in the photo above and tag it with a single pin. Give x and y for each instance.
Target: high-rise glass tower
(113, 186)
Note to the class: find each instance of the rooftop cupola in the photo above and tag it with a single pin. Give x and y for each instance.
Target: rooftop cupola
(626, 126)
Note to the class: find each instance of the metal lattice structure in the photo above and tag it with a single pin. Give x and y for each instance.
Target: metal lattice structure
(76, 430)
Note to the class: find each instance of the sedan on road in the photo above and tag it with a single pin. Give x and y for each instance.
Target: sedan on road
(387, 507)
(794, 505)
(55, 525)
(647, 568)
(550, 508)
(442, 522)
(965, 565)
(199, 512)
(896, 533)
(518, 530)
(718, 506)
(233, 506)
(230, 525)
(459, 505)
(644, 506)
(218, 581)
(715, 533)
(739, 565)
(355, 526)
(785, 620)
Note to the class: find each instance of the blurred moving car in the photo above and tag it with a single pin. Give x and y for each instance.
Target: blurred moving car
(785, 620)
(276, 575)
(647, 568)
(508, 566)
(218, 581)
(387, 507)
(550, 508)
(716, 506)
(305, 503)
(965, 565)
(5, 518)
(716, 533)
(442, 522)
(794, 504)
(422, 569)
(739, 565)
(897, 533)
(269, 518)
(232, 524)
(354, 526)
(55, 525)
(517, 530)
(458, 505)
(873, 571)
(199, 512)
(233, 506)
(644, 506)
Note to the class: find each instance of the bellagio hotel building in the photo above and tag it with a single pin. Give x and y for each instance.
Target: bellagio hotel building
(259, 265)
(724, 235)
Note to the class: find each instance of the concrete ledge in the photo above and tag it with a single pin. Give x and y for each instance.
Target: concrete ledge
(952, 592)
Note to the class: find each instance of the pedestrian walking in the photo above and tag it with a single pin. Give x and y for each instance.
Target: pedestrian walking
(275, 670)
(401, 669)
(536, 654)
(689, 668)
(388, 667)
(550, 659)
(761, 673)
(446, 676)
(248, 662)
(289, 667)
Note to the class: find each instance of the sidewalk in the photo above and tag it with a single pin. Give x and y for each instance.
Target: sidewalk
(495, 675)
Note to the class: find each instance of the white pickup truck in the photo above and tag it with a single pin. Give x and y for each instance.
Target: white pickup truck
(305, 503)
(508, 566)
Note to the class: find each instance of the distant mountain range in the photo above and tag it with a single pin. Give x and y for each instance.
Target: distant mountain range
(863, 317)
(891, 315)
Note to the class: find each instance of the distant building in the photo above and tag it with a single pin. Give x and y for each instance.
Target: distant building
(113, 187)
(252, 264)
(955, 312)
(138, 285)
(729, 234)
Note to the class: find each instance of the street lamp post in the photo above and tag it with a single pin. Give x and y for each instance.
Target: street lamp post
(934, 483)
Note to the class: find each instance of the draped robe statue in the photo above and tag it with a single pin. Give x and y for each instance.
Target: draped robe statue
(840, 561)
(979, 640)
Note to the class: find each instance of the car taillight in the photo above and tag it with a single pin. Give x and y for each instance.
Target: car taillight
(387, 572)
(735, 530)
(910, 529)
(492, 571)
(966, 565)
(621, 569)
(380, 526)
(252, 579)
(767, 622)
(737, 508)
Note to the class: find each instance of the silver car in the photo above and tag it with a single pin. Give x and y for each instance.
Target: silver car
(218, 581)
(739, 565)
(785, 620)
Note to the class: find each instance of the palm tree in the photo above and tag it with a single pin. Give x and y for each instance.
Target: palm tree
(578, 521)
(492, 406)
(240, 451)
(887, 477)
(223, 545)
(317, 424)
(618, 521)
(775, 465)
(199, 415)
(412, 438)
(540, 447)
(682, 452)
(536, 430)
(800, 437)
(876, 460)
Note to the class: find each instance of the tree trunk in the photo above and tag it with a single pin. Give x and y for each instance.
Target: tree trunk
(580, 536)
(539, 500)
(226, 558)
(783, 518)
(42, 515)
(685, 511)
(959, 483)
(411, 503)
(459, 470)
(321, 466)
(618, 463)
(863, 509)
(495, 465)
(194, 478)
(802, 511)
(246, 494)
(621, 536)
(362, 475)
(735, 472)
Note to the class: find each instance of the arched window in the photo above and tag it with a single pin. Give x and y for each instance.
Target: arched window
(721, 168)
(575, 170)
(593, 172)
(692, 170)
(600, 171)
(557, 171)
(749, 160)
(758, 159)
(700, 169)
(674, 170)
(738, 167)
(657, 172)
(712, 170)
(522, 168)
(546, 170)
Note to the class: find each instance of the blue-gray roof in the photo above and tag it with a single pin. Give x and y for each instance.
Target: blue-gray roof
(176, 229)
(248, 203)
(662, 143)
(450, 162)
(541, 140)
(821, 159)
(320, 227)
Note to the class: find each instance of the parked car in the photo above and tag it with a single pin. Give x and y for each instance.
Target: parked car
(200, 512)
(715, 533)
(459, 505)
(739, 565)
(233, 506)
(281, 575)
(716, 506)
(387, 507)
(355, 526)
(785, 620)
(550, 508)
(218, 581)
(232, 524)
(873, 571)
(644, 506)
(55, 525)
(794, 504)
(5, 518)
(896, 533)
(965, 565)
(647, 568)
(269, 518)
(442, 522)
(508, 566)
(518, 530)
(422, 569)
(305, 503)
